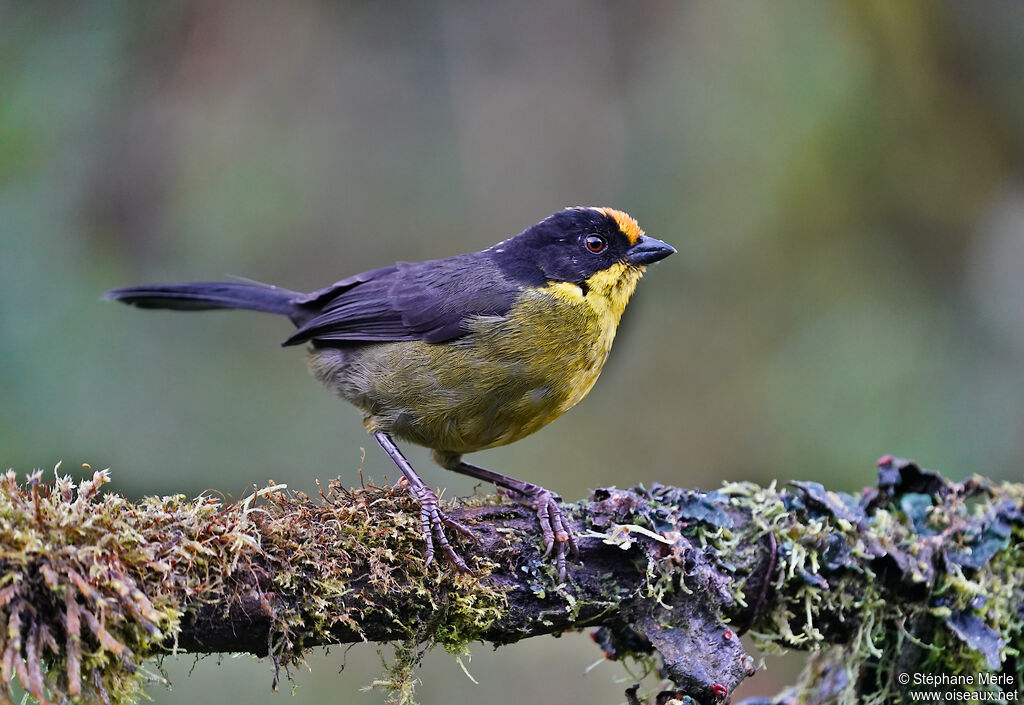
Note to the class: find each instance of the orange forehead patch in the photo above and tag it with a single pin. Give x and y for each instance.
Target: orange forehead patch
(629, 227)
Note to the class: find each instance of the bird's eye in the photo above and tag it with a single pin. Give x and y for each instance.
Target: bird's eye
(595, 243)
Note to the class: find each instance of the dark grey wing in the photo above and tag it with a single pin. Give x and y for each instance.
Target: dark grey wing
(409, 301)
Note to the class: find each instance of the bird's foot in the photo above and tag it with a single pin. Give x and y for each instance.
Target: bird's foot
(432, 524)
(557, 534)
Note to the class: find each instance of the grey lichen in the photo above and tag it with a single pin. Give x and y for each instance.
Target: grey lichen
(918, 576)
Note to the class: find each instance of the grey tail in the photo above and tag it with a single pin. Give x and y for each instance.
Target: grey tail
(202, 296)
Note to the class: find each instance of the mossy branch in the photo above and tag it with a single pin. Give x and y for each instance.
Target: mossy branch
(917, 573)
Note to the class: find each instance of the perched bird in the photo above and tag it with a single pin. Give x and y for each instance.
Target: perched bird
(464, 353)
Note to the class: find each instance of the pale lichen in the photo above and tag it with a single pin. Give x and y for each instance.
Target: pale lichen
(921, 575)
(918, 575)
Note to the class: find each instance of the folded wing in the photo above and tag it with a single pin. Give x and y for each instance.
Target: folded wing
(409, 301)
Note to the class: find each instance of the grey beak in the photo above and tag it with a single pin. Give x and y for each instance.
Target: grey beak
(648, 250)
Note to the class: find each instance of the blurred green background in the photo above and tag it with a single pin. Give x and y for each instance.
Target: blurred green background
(843, 182)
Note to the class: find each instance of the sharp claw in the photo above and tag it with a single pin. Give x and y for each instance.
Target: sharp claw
(573, 546)
(554, 529)
(432, 523)
(461, 528)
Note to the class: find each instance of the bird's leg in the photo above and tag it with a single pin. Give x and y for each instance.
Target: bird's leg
(432, 519)
(553, 525)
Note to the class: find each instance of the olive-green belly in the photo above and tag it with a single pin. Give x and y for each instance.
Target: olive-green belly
(506, 379)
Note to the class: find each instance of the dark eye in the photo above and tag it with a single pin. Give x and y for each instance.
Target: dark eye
(595, 243)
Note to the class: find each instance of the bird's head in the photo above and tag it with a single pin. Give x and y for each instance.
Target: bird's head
(602, 251)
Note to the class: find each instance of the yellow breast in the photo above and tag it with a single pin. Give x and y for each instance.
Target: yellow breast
(601, 301)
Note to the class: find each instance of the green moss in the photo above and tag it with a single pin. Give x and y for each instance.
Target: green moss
(94, 585)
